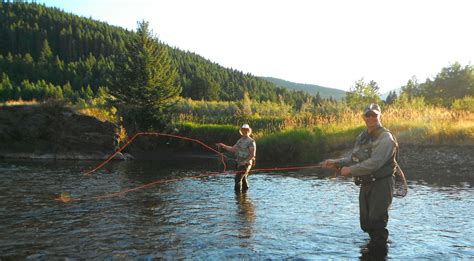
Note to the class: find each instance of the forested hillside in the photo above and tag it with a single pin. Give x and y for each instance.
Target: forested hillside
(132, 79)
(46, 53)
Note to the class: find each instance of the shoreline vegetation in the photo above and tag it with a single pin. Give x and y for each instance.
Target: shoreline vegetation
(309, 138)
(98, 85)
(303, 138)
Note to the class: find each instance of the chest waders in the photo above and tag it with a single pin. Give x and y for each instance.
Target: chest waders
(376, 191)
(241, 181)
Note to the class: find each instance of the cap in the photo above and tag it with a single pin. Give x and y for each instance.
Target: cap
(373, 107)
(245, 126)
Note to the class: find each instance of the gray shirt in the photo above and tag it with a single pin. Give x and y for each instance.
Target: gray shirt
(374, 154)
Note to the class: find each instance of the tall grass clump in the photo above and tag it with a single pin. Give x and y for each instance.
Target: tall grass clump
(464, 105)
(210, 134)
(340, 136)
(292, 146)
(410, 120)
(418, 123)
(19, 102)
(102, 114)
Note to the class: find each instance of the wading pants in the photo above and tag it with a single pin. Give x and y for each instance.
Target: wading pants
(375, 199)
(241, 182)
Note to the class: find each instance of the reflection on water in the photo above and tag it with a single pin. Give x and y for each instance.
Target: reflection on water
(246, 213)
(301, 215)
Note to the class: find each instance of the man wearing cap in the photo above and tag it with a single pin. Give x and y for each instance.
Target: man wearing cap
(372, 165)
(245, 151)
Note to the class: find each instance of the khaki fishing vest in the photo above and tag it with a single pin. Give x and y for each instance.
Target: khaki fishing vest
(363, 152)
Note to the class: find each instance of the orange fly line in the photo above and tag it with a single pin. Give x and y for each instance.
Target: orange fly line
(65, 197)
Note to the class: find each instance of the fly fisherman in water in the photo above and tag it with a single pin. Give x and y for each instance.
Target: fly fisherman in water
(245, 151)
(373, 166)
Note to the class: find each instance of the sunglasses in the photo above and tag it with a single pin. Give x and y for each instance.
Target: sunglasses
(370, 114)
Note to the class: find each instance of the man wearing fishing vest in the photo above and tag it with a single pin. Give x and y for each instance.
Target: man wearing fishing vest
(372, 166)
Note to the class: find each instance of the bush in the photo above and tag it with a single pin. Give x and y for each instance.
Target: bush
(465, 104)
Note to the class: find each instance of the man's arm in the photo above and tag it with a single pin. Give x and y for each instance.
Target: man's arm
(382, 151)
(226, 147)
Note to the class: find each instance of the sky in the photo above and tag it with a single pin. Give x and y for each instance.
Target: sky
(331, 43)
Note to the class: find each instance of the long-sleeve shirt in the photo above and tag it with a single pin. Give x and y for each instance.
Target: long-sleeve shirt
(370, 156)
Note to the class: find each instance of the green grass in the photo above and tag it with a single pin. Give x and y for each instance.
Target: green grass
(309, 138)
(295, 146)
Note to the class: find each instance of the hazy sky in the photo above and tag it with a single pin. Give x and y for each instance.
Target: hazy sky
(332, 43)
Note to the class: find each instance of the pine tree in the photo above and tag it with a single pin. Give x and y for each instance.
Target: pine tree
(6, 88)
(246, 105)
(391, 97)
(145, 84)
(46, 53)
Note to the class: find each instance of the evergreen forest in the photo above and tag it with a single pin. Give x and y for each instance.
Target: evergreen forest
(134, 80)
(46, 53)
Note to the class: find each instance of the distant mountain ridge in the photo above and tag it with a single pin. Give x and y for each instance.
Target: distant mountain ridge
(324, 92)
(384, 95)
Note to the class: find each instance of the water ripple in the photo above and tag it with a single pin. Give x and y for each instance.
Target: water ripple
(283, 216)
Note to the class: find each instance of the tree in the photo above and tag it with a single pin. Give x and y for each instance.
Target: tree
(246, 105)
(317, 99)
(362, 93)
(453, 82)
(6, 88)
(411, 89)
(391, 97)
(46, 53)
(145, 83)
(203, 87)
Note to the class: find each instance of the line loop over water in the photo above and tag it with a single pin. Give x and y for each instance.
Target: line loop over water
(66, 198)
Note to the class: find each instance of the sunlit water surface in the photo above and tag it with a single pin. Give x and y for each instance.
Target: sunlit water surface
(284, 215)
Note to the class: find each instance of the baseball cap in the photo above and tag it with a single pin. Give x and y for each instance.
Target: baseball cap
(245, 126)
(373, 107)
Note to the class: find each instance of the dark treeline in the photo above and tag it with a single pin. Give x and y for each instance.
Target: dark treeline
(24, 27)
(46, 53)
(452, 83)
(42, 46)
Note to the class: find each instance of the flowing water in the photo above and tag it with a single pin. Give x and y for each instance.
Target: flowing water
(300, 215)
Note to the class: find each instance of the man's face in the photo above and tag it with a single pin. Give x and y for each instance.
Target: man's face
(372, 119)
(245, 131)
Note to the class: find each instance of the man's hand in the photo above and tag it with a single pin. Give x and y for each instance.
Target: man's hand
(221, 146)
(345, 171)
(329, 164)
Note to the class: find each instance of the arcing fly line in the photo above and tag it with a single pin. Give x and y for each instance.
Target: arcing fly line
(159, 134)
(65, 197)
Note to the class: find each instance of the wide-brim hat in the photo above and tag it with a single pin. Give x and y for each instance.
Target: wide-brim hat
(245, 127)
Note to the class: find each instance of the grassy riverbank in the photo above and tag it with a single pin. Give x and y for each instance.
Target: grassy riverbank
(433, 126)
(304, 137)
(314, 132)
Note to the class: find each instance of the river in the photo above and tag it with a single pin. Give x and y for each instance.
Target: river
(296, 215)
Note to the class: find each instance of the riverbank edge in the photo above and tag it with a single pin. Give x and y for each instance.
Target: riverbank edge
(56, 133)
